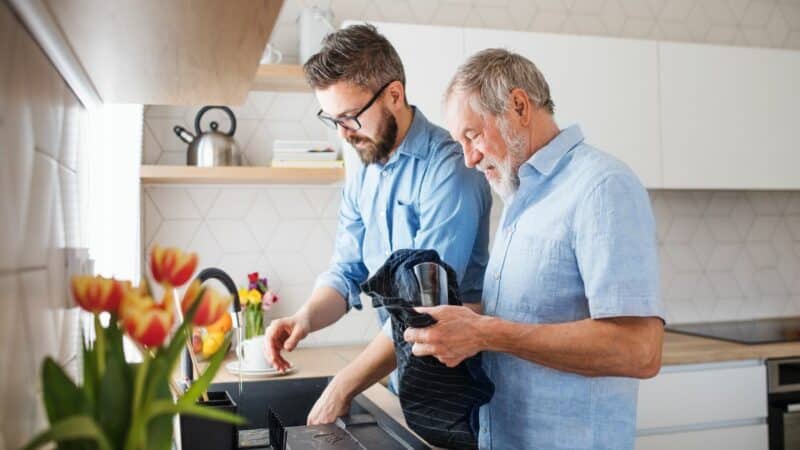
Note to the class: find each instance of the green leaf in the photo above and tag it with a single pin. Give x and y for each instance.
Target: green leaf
(178, 342)
(201, 384)
(90, 375)
(62, 397)
(159, 429)
(72, 428)
(115, 391)
(162, 407)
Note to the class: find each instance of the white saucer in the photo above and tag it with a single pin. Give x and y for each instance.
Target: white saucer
(233, 367)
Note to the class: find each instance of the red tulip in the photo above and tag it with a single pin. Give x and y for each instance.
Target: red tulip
(212, 305)
(97, 294)
(171, 266)
(146, 321)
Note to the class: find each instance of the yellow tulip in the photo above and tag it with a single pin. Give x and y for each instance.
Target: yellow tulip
(243, 297)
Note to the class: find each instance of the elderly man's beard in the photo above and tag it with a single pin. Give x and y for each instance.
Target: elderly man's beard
(377, 151)
(505, 181)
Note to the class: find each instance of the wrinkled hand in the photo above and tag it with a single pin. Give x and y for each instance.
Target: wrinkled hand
(454, 338)
(284, 334)
(330, 405)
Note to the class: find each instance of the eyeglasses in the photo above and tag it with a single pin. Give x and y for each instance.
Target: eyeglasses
(350, 122)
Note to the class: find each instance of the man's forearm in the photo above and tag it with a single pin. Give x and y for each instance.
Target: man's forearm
(375, 362)
(625, 346)
(324, 307)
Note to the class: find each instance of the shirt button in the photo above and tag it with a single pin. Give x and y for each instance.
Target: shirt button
(497, 275)
(384, 173)
(383, 214)
(386, 252)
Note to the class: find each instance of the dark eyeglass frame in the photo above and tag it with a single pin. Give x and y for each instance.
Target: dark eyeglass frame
(333, 122)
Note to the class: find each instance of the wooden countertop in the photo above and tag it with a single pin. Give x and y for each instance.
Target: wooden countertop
(678, 349)
(685, 349)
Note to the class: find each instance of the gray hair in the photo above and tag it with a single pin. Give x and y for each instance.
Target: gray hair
(357, 54)
(492, 74)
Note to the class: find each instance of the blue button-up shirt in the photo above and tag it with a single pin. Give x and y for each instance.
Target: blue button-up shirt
(424, 197)
(577, 241)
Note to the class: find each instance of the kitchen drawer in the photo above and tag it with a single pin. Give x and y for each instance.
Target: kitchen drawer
(695, 394)
(751, 437)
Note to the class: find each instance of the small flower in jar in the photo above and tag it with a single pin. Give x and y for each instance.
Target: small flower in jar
(254, 297)
(269, 299)
(244, 297)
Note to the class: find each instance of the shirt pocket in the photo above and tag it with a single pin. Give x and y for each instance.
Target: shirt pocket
(405, 224)
(531, 275)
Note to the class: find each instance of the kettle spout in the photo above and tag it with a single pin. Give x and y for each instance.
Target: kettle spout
(183, 134)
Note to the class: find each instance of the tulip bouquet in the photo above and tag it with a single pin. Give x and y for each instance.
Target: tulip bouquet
(255, 301)
(122, 405)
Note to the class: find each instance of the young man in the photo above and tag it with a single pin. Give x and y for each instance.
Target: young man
(571, 298)
(412, 191)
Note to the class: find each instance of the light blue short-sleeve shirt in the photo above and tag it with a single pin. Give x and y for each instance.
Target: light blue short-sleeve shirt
(423, 197)
(577, 241)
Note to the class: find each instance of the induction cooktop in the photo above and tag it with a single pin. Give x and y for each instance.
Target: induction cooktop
(758, 331)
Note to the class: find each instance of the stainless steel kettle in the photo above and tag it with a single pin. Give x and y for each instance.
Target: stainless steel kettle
(211, 148)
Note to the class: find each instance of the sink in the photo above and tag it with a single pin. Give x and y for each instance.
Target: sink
(288, 402)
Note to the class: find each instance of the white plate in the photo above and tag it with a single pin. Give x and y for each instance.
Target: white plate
(233, 367)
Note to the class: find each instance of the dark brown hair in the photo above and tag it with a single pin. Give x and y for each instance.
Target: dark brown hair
(357, 54)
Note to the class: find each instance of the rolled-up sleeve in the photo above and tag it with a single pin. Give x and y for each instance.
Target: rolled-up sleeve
(616, 250)
(455, 204)
(347, 268)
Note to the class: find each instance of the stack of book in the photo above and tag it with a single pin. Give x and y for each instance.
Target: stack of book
(304, 154)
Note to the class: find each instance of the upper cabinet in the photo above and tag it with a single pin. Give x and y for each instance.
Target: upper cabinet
(167, 52)
(430, 56)
(728, 117)
(608, 86)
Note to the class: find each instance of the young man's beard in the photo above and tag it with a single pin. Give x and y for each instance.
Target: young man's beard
(377, 151)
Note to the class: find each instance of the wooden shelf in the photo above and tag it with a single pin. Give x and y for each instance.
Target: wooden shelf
(238, 175)
(280, 77)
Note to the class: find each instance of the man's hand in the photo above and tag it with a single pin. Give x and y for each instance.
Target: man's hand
(331, 404)
(284, 334)
(454, 338)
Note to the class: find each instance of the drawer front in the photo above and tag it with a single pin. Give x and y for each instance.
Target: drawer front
(703, 393)
(752, 437)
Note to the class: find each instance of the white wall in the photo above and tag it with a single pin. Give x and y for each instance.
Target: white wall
(40, 200)
(725, 255)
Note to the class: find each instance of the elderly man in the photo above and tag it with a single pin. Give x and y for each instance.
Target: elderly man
(571, 296)
(412, 191)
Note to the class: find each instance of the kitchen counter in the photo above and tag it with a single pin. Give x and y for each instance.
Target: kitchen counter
(678, 349)
(685, 349)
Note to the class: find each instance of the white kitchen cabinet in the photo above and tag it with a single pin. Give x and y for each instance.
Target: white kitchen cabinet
(708, 406)
(609, 86)
(750, 437)
(430, 56)
(729, 117)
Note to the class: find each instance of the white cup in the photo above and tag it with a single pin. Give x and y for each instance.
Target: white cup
(251, 354)
(271, 55)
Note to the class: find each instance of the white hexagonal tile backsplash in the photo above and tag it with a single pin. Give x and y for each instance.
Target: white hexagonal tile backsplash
(719, 256)
(724, 255)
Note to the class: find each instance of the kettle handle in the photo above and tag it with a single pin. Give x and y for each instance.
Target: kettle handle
(220, 275)
(205, 109)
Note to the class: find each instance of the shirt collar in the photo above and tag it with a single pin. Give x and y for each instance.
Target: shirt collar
(415, 143)
(547, 158)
